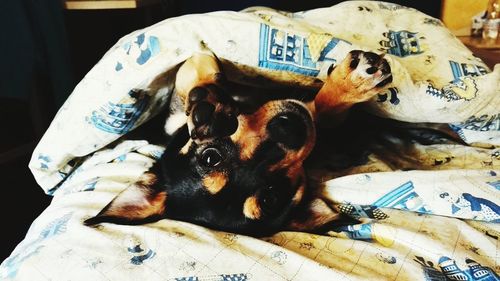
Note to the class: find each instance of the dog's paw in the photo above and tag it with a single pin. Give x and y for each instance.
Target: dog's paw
(211, 112)
(372, 70)
(363, 74)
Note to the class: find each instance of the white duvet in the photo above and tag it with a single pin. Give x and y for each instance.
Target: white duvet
(437, 222)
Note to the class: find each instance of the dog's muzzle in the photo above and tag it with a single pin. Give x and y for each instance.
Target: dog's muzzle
(292, 125)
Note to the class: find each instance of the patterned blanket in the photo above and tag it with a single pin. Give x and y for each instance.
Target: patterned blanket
(428, 202)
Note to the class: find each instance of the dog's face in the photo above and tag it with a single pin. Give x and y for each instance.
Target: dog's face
(243, 181)
(239, 172)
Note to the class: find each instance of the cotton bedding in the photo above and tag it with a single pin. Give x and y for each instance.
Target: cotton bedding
(428, 204)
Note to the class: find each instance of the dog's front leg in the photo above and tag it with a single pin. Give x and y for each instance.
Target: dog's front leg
(199, 70)
(210, 110)
(359, 77)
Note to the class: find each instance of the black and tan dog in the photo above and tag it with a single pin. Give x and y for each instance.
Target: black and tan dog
(238, 167)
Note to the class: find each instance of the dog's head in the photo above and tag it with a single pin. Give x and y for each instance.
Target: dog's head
(227, 168)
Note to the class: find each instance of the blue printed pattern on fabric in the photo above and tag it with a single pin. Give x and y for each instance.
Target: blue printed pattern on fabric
(391, 6)
(449, 270)
(90, 186)
(462, 86)
(403, 197)
(433, 21)
(466, 69)
(118, 66)
(475, 271)
(431, 273)
(470, 206)
(222, 277)
(44, 161)
(148, 46)
(486, 209)
(495, 184)
(362, 211)
(191, 278)
(10, 266)
(391, 94)
(140, 254)
(401, 43)
(286, 51)
(357, 232)
(120, 117)
(156, 154)
(481, 124)
(121, 158)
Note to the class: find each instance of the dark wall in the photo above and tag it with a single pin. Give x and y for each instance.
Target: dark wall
(430, 7)
(35, 78)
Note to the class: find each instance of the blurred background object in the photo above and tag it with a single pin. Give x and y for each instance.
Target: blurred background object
(491, 24)
(467, 19)
(457, 14)
(35, 78)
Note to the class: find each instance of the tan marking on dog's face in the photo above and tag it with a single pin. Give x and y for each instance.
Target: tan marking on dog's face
(214, 182)
(185, 149)
(297, 176)
(299, 194)
(251, 208)
(252, 131)
(247, 136)
(252, 128)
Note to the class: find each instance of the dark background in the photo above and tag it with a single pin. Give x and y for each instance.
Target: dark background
(45, 51)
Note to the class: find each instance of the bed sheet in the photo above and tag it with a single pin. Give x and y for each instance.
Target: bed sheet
(433, 216)
(417, 225)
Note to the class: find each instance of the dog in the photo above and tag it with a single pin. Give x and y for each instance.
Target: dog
(237, 166)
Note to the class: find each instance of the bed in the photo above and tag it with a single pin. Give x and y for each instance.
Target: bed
(428, 203)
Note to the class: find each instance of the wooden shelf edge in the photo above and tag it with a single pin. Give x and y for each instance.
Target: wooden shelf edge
(106, 4)
(480, 43)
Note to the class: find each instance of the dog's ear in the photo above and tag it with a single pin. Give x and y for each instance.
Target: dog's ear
(313, 216)
(141, 202)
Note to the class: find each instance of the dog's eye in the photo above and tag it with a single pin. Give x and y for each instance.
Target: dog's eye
(269, 199)
(211, 157)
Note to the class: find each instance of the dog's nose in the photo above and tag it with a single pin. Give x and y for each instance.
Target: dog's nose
(289, 129)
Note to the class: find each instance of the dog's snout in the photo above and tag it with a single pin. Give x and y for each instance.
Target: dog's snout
(203, 113)
(289, 129)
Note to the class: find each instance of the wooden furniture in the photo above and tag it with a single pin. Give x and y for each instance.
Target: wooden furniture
(487, 50)
(107, 4)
